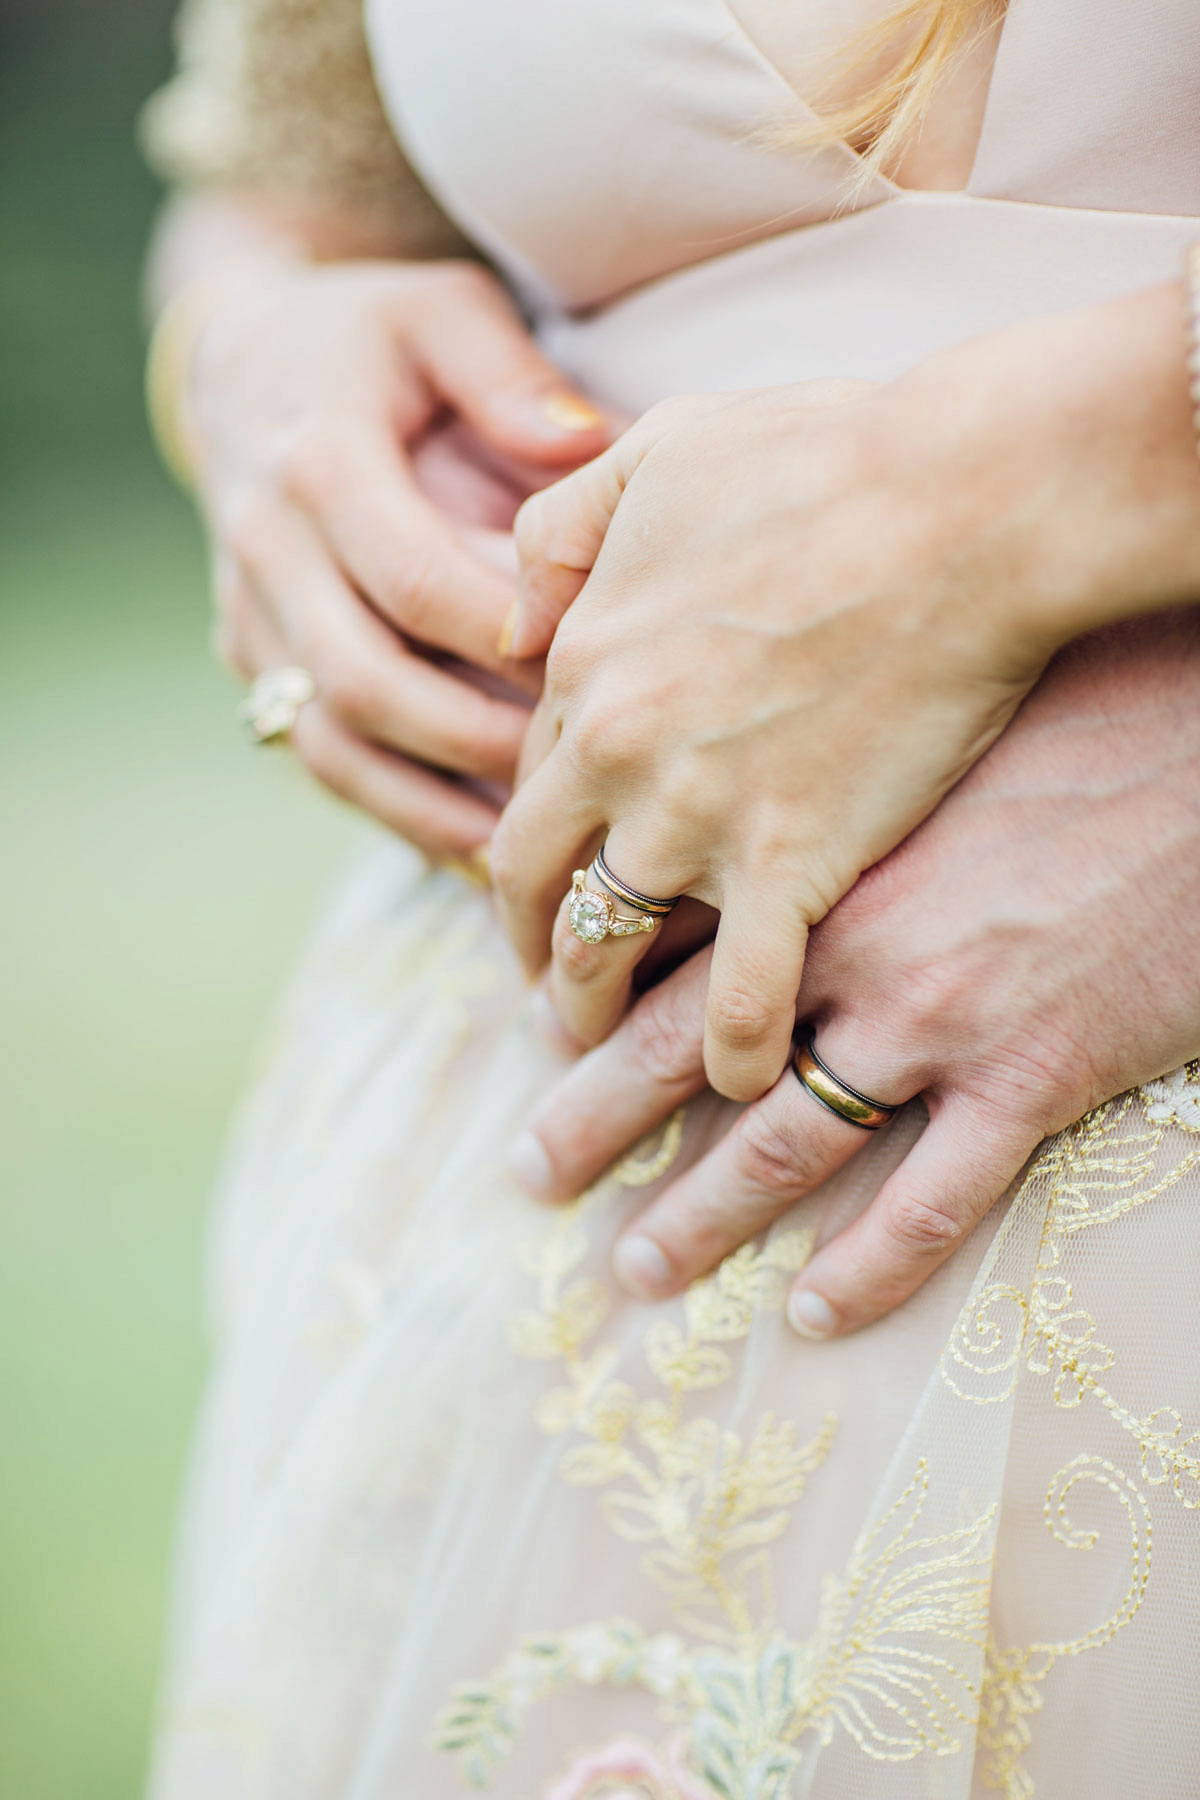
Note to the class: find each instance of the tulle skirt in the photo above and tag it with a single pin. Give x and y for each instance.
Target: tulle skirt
(462, 1514)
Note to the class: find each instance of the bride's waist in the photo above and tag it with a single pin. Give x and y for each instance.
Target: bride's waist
(865, 295)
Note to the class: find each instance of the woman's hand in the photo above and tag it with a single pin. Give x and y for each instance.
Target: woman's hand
(1031, 950)
(796, 619)
(355, 534)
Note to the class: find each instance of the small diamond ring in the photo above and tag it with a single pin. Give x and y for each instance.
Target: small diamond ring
(593, 917)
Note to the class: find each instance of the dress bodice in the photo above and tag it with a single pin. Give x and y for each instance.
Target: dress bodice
(600, 145)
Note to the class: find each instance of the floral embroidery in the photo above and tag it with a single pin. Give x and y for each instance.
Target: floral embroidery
(1175, 1100)
(707, 1504)
(889, 1660)
(1099, 1170)
(628, 1771)
(1012, 1683)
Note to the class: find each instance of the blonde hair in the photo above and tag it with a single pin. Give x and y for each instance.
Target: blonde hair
(904, 57)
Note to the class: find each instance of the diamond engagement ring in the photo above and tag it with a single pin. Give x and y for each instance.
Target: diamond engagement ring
(593, 917)
(270, 709)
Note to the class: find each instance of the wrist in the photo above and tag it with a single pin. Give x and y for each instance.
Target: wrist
(175, 339)
(1068, 445)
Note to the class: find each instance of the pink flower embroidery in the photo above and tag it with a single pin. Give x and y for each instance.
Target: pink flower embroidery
(629, 1771)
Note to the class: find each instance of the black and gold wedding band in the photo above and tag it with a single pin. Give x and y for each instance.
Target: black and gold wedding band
(834, 1094)
(620, 890)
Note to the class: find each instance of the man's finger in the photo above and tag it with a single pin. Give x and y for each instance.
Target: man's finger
(432, 811)
(620, 1091)
(777, 1152)
(960, 1166)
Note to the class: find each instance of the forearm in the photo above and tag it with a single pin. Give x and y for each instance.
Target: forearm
(1072, 440)
(200, 234)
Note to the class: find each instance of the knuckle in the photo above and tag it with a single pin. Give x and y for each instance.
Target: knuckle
(935, 994)
(661, 1044)
(606, 737)
(922, 1228)
(738, 1018)
(768, 1157)
(581, 964)
(669, 415)
(350, 688)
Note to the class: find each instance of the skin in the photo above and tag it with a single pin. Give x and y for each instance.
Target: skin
(1031, 950)
(363, 433)
(782, 625)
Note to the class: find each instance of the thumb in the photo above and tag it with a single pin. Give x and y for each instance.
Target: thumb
(476, 352)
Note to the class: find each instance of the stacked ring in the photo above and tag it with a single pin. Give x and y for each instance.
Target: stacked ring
(620, 890)
(834, 1094)
(593, 917)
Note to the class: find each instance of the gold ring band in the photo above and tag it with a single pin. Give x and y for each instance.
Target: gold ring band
(620, 890)
(834, 1095)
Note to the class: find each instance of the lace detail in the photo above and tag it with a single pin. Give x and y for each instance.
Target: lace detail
(881, 1661)
(279, 96)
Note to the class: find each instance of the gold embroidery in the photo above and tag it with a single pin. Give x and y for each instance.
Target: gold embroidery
(1012, 1682)
(1098, 1171)
(707, 1504)
(645, 1164)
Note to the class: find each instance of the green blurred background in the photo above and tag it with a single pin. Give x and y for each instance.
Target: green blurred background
(156, 877)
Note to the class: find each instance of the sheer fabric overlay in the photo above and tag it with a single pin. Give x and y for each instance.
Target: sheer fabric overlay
(466, 1515)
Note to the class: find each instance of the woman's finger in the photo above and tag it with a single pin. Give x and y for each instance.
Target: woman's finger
(438, 814)
(590, 983)
(776, 1153)
(475, 351)
(757, 965)
(364, 674)
(550, 828)
(399, 551)
(960, 1166)
(617, 1093)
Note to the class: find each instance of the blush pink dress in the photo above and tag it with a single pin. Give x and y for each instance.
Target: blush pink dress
(463, 1515)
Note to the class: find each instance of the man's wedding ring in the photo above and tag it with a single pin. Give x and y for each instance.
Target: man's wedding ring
(833, 1094)
(270, 709)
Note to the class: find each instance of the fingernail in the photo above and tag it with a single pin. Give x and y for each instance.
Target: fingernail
(508, 630)
(568, 412)
(810, 1316)
(642, 1269)
(529, 1164)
